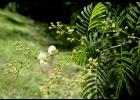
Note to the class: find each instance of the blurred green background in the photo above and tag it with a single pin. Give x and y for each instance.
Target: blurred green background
(28, 23)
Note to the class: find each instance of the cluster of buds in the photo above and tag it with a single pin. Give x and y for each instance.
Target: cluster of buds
(60, 32)
(52, 79)
(113, 25)
(18, 46)
(57, 71)
(58, 25)
(83, 40)
(19, 63)
(71, 39)
(92, 62)
(104, 22)
(12, 69)
(108, 24)
(132, 36)
(70, 30)
(43, 89)
(118, 31)
(116, 34)
(74, 51)
(88, 71)
(52, 25)
(80, 79)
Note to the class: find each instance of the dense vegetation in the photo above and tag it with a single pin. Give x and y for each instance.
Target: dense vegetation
(105, 44)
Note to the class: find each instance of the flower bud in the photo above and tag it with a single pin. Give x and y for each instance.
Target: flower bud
(113, 25)
(50, 28)
(126, 27)
(90, 59)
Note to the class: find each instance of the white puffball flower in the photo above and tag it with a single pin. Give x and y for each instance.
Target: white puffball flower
(42, 58)
(43, 62)
(52, 49)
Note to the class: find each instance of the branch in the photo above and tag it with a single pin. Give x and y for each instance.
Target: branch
(112, 47)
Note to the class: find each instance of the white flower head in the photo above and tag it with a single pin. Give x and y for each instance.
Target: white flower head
(41, 56)
(52, 49)
(42, 62)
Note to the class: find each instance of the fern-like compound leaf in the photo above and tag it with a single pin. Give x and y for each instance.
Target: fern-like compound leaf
(122, 71)
(120, 18)
(90, 19)
(134, 8)
(130, 18)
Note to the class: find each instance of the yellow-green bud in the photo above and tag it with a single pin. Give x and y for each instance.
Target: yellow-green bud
(61, 25)
(110, 21)
(90, 59)
(58, 23)
(97, 50)
(72, 39)
(50, 27)
(113, 25)
(104, 21)
(114, 30)
(96, 64)
(126, 27)
(68, 39)
(88, 64)
(57, 32)
(74, 51)
(120, 29)
(68, 28)
(16, 42)
(91, 67)
(82, 43)
(83, 37)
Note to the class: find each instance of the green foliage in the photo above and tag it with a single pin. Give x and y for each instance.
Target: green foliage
(90, 19)
(95, 84)
(122, 71)
(118, 64)
(109, 52)
(132, 16)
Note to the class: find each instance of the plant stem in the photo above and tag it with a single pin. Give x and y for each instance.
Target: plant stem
(112, 47)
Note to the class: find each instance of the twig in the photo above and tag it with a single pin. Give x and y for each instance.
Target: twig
(112, 47)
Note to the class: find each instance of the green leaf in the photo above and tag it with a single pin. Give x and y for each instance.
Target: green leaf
(130, 91)
(81, 27)
(119, 87)
(139, 47)
(130, 18)
(135, 8)
(138, 3)
(131, 25)
(133, 13)
(82, 13)
(87, 13)
(82, 20)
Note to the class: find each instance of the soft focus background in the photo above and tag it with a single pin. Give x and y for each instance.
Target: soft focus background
(28, 23)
